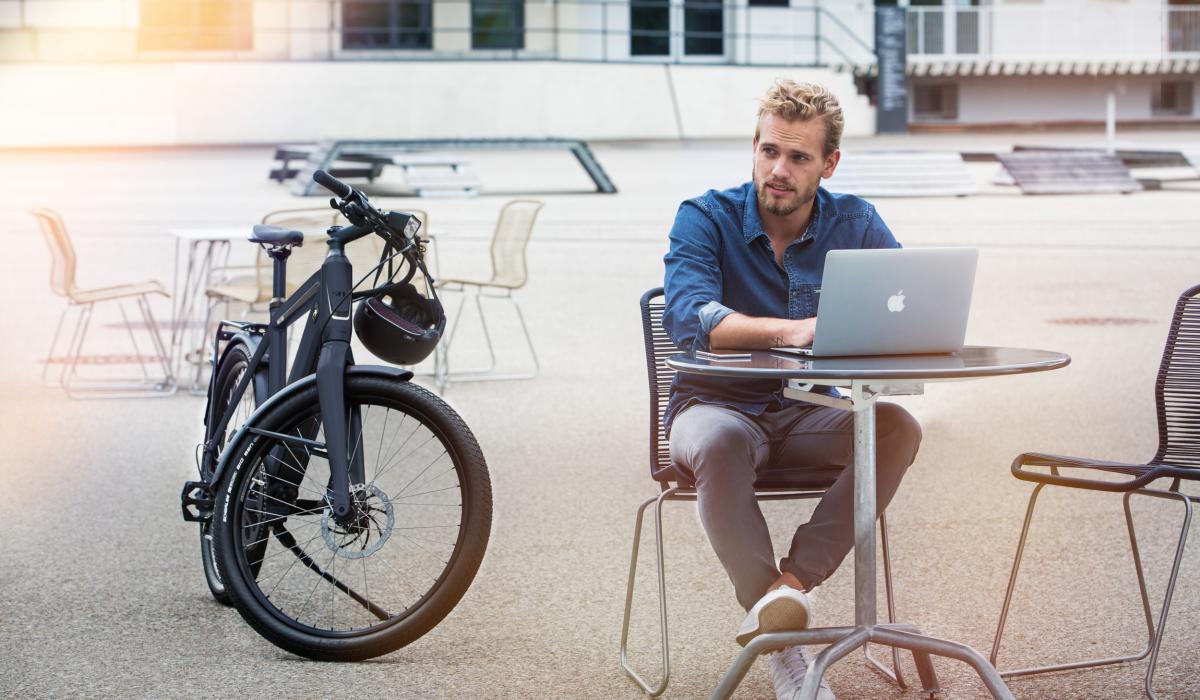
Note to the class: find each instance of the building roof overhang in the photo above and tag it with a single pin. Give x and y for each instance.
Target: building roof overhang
(923, 67)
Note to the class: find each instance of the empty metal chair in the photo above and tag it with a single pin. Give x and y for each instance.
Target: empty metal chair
(1177, 399)
(509, 273)
(62, 282)
(775, 484)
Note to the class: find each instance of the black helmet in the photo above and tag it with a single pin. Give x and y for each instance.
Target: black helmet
(400, 325)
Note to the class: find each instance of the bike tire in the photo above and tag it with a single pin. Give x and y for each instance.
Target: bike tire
(272, 607)
(232, 368)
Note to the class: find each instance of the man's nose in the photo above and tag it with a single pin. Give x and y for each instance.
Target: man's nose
(779, 168)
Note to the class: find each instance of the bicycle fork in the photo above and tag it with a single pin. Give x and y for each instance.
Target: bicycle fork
(345, 463)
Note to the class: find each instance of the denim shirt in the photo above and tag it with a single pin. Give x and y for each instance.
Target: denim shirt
(721, 261)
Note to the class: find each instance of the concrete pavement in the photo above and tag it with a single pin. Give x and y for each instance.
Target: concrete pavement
(103, 591)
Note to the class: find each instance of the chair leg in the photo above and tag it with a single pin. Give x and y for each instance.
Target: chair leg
(652, 691)
(893, 673)
(54, 344)
(441, 352)
(1090, 663)
(160, 346)
(137, 351)
(487, 337)
(1157, 635)
(537, 367)
(77, 338)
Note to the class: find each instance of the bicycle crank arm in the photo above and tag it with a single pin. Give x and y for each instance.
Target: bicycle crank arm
(287, 540)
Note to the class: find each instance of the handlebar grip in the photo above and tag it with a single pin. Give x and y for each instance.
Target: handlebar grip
(332, 184)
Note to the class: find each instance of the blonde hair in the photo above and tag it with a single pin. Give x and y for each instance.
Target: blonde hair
(794, 101)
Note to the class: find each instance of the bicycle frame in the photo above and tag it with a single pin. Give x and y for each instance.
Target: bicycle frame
(325, 299)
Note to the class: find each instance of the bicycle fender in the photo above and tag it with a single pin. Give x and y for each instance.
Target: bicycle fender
(235, 445)
(251, 341)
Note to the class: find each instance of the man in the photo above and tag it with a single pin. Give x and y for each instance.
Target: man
(743, 272)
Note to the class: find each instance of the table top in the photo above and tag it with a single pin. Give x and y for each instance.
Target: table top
(970, 362)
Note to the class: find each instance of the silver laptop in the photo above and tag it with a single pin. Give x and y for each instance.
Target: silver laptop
(894, 301)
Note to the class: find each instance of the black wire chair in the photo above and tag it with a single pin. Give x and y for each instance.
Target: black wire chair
(1177, 399)
(776, 484)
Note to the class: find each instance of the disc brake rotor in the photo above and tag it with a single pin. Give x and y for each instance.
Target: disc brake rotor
(374, 520)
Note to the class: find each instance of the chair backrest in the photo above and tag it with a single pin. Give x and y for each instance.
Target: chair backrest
(305, 259)
(510, 240)
(1177, 389)
(658, 348)
(62, 253)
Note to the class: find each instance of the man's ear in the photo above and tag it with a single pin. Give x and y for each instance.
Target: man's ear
(831, 163)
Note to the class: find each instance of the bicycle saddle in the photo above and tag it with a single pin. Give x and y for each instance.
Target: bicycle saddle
(276, 235)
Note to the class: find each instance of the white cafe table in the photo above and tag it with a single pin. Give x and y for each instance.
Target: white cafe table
(198, 252)
(867, 378)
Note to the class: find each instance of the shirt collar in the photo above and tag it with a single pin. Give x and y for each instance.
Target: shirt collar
(752, 226)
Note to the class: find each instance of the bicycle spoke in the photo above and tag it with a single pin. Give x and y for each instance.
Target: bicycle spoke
(424, 493)
(427, 481)
(388, 462)
(289, 568)
(422, 472)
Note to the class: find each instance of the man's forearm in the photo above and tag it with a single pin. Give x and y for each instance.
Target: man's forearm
(741, 332)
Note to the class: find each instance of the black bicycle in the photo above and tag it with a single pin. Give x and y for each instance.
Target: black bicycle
(343, 510)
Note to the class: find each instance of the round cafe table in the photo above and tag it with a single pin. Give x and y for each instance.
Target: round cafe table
(866, 378)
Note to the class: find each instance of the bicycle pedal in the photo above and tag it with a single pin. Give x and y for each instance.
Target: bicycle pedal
(197, 495)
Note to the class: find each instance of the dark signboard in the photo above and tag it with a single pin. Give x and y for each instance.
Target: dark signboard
(891, 86)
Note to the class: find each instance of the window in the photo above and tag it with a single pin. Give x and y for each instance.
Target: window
(935, 102)
(1183, 26)
(649, 27)
(1173, 98)
(497, 24)
(703, 28)
(190, 25)
(387, 24)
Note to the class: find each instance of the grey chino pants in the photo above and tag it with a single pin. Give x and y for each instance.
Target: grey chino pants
(725, 450)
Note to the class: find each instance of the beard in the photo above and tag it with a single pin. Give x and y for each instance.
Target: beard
(782, 206)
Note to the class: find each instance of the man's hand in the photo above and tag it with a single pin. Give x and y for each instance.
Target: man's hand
(741, 332)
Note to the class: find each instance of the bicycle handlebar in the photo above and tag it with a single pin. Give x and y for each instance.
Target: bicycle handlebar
(398, 228)
(332, 184)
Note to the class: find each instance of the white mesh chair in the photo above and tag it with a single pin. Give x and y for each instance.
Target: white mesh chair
(160, 382)
(509, 272)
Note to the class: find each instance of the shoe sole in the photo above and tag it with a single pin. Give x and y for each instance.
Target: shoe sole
(782, 615)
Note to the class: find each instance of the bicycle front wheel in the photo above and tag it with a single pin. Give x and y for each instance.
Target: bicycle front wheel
(350, 591)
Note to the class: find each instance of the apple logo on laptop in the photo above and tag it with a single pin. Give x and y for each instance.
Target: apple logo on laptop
(895, 303)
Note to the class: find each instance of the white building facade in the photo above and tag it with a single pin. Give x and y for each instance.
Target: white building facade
(268, 71)
(1018, 62)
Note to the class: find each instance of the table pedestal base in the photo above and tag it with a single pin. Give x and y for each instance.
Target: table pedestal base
(843, 640)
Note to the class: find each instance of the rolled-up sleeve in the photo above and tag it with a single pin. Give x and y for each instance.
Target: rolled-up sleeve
(693, 279)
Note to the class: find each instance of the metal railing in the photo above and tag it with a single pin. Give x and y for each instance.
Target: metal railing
(1090, 31)
(664, 31)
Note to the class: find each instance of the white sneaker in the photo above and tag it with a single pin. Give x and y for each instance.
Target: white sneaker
(784, 609)
(788, 668)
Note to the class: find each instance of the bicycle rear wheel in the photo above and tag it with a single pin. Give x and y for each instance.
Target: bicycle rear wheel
(336, 592)
(233, 367)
